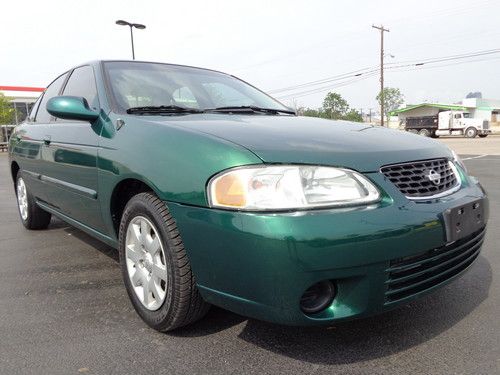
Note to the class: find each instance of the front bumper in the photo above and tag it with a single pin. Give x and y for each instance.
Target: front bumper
(259, 265)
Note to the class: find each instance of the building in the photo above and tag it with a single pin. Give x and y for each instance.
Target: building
(486, 109)
(21, 99)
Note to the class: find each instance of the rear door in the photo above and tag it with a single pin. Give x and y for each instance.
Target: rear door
(30, 139)
(72, 160)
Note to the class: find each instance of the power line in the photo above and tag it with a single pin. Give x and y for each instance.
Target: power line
(368, 72)
(448, 58)
(326, 88)
(392, 70)
(354, 73)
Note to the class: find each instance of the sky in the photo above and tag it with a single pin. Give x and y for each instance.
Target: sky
(272, 44)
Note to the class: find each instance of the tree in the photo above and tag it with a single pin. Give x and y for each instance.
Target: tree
(353, 115)
(6, 111)
(392, 100)
(311, 112)
(335, 106)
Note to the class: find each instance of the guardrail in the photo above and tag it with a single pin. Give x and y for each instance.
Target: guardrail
(4, 136)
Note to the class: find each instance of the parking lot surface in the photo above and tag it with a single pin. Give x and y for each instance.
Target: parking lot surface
(64, 310)
(465, 146)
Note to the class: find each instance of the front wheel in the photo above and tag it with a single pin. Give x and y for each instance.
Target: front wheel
(32, 216)
(155, 267)
(470, 132)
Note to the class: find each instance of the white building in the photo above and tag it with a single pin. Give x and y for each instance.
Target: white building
(486, 109)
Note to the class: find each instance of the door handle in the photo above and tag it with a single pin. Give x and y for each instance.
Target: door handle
(47, 140)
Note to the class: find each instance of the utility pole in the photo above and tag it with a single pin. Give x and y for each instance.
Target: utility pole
(382, 30)
(370, 115)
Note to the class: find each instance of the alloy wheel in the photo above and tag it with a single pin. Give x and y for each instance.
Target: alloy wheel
(22, 198)
(146, 265)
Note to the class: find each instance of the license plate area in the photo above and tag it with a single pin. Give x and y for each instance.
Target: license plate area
(464, 220)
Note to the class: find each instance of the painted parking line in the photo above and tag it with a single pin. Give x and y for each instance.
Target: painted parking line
(475, 157)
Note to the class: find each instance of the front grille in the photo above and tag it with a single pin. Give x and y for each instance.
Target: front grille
(411, 275)
(422, 179)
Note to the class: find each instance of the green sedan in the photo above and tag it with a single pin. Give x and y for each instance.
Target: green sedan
(214, 193)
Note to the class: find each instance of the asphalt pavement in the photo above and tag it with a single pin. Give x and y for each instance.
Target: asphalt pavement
(64, 310)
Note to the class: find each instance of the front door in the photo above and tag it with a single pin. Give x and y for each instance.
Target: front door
(72, 148)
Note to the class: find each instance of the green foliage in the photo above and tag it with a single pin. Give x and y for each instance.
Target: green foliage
(353, 115)
(392, 100)
(311, 112)
(335, 106)
(6, 111)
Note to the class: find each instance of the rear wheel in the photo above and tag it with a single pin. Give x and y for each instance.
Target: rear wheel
(483, 135)
(32, 216)
(470, 132)
(155, 267)
(424, 132)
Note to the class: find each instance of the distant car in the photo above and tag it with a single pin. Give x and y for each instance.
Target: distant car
(215, 193)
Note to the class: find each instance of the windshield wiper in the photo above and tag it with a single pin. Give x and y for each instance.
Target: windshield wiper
(249, 108)
(162, 109)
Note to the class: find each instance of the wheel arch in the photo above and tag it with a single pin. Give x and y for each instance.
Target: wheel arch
(123, 191)
(14, 169)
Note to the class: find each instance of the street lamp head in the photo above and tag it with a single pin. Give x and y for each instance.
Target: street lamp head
(131, 25)
(123, 23)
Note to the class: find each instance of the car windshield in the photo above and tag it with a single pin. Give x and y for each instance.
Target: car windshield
(148, 85)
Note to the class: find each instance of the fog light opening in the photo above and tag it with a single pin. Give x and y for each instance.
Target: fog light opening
(318, 297)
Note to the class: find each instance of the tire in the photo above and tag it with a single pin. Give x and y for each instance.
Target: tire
(155, 267)
(424, 132)
(32, 216)
(483, 135)
(470, 132)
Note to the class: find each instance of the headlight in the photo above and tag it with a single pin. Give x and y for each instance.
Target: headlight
(458, 161)
(285, 187)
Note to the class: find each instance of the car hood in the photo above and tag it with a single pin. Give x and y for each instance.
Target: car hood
(307, 140)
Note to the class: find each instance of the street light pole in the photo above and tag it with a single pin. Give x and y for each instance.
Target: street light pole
(132, 41)
(131, 25)
(382, 30)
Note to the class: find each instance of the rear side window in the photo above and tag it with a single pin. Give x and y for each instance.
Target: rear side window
(51, 91)
(82, 83)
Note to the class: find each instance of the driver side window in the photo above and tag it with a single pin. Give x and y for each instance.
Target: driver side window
(82, 83)
(53, 90)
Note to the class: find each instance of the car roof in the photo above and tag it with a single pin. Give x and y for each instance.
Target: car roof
(99, 62)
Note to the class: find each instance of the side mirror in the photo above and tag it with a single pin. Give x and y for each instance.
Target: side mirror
(71, 108)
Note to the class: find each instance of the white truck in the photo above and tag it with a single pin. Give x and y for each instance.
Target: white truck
(448, 123)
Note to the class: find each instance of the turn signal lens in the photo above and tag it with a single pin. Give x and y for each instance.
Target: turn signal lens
(229, 191)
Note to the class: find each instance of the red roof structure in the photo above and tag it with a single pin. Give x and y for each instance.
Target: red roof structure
(22, 88)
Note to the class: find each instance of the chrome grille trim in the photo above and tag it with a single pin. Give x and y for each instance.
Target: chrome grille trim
(410, 178)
